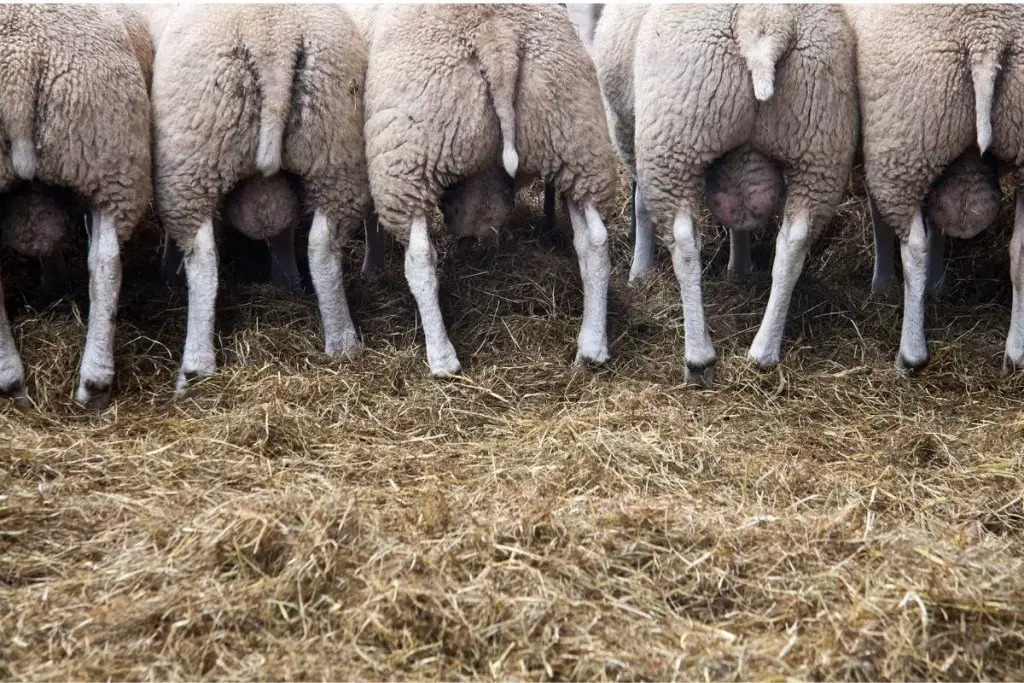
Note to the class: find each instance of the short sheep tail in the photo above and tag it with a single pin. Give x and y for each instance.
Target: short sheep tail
(760, 59)
(984, 68)
(276, 72)
(498, 52)
(17, 118)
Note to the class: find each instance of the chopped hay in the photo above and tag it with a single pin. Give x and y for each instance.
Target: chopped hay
(301, 518)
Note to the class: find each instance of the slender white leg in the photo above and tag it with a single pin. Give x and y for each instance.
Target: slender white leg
(790, 252)
(914, 250)
(97, 370)
(885, 255)
(740, 263)
(200, 258)
(699, 351)
(284, 269)
(421, 274)
(644, 245)
(12, 373)
(1014, 357)
(340, 337)
(373, 258)
(590, 238)
(936, 263)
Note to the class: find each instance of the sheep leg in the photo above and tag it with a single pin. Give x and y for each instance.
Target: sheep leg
(740, 263)
(590, 238)
(12, 372)
(284, 270)
(644, 245)
(1014, 355)
(373, 258)
(699, 350)
(913, 354)
(936, 252)
(200, 259)
(885, 255)
(421, 274)
(790, 252)
(340, 336)
(550, 201)
(97, 370)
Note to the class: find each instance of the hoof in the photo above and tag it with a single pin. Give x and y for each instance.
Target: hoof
(93, 395)
(17, 393)
(1011, 366)
(880, 286)
(592, 354)
(911, 366)
(763, 363)
(185, 378)
(348, 349)
(446, 373)
(703, 378)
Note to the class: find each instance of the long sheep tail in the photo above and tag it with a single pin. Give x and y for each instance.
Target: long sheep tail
(17, 117)
(984, 68)
(761, 58)
(276, 72)
(497, 48)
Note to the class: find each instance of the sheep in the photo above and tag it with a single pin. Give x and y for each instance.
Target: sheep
(247, 90)
(717, 80)
(74, 114)
(729, 180)
(935, 83)
(453, 90)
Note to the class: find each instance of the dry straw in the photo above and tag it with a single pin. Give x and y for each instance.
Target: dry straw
(298, 518)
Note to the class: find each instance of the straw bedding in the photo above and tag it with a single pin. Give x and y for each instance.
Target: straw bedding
(301, 518)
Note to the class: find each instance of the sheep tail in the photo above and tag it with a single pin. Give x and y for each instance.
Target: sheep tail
(761, 58)
(984, 68)
(17, 119)
(276, 73)
(497, 48)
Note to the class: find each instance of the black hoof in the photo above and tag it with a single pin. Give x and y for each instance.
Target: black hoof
(911, 367)
(94, 396)
(702, 377)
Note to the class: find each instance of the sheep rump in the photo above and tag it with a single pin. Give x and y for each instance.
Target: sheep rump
(74, 115)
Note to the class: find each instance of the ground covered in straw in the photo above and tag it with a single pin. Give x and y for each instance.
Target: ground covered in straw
(301, 518)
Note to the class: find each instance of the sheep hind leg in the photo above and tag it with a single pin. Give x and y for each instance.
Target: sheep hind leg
(12, 372)
(421, 274)
(284, 269)
(644, 245)
(590, 238)
(885, 255)
(699, 349)
(97, 370)
(790, 253)
(340, 336)
(913, 354)
(199, 359)
(1013, 357)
